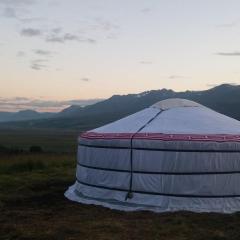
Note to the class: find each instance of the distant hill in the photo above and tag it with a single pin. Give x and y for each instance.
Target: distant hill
(70, 111)
(224, 99)
(24, 115)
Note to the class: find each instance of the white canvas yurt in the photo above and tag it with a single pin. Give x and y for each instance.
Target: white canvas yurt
(174, 155)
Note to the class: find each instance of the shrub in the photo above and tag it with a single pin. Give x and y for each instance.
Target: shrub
(35, 149)
(12, 150)
(3, 149)
(26, 166)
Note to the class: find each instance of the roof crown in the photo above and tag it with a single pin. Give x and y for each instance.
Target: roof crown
(175, 103)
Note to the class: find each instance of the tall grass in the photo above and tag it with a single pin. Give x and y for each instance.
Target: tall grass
(27, 176)
(27, 162)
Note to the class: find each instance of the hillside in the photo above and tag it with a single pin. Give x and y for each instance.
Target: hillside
(24, 115)
(224, 99)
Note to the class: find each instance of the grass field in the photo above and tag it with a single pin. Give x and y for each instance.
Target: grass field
(33, 207)
(49, 140)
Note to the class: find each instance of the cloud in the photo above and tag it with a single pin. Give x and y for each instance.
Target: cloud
(236, 53)
(9, 12)
(30, 19)
(85, 34)
(42, 52)
(56, 30)
(102, 28)
(89, 40)
(57, 38)
(104, 25)
(15, 7)
(20, 99)
(17, 2)
(54, 3)
(230, 24)
(70, 37)
(88, 34)
(20, 54)
(38, 64)
(146, 10)
(176, 76)
(145, 62)
(85, 79)
(21, 103)
(30, 32)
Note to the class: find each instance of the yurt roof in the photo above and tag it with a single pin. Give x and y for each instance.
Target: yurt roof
(174, 116)
(175, 103)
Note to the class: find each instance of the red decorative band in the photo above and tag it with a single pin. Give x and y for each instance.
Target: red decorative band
(163, 137)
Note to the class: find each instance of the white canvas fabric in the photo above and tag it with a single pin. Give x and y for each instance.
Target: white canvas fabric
(174, 155)
(175, 102)
(177, 120)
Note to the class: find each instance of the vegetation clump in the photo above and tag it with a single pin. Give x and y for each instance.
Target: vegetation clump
(35, 149)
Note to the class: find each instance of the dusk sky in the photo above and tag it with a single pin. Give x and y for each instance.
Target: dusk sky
(56, 51)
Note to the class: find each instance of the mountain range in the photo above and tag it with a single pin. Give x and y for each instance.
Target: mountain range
(224, 99)
(24, 115)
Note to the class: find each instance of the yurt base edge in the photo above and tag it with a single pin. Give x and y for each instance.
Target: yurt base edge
(171, 204)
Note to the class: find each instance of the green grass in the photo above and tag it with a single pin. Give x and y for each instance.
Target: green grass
(33, 207)
(49, 140)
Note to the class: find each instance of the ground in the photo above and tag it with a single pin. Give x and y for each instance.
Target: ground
(33, 207)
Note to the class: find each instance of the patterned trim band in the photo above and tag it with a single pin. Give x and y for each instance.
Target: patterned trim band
(163, 137)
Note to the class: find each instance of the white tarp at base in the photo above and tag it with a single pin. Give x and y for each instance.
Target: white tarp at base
(223, 205)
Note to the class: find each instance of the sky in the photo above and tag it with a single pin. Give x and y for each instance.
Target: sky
(57, 52)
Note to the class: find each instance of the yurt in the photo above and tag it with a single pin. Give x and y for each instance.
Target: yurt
(174, 155)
